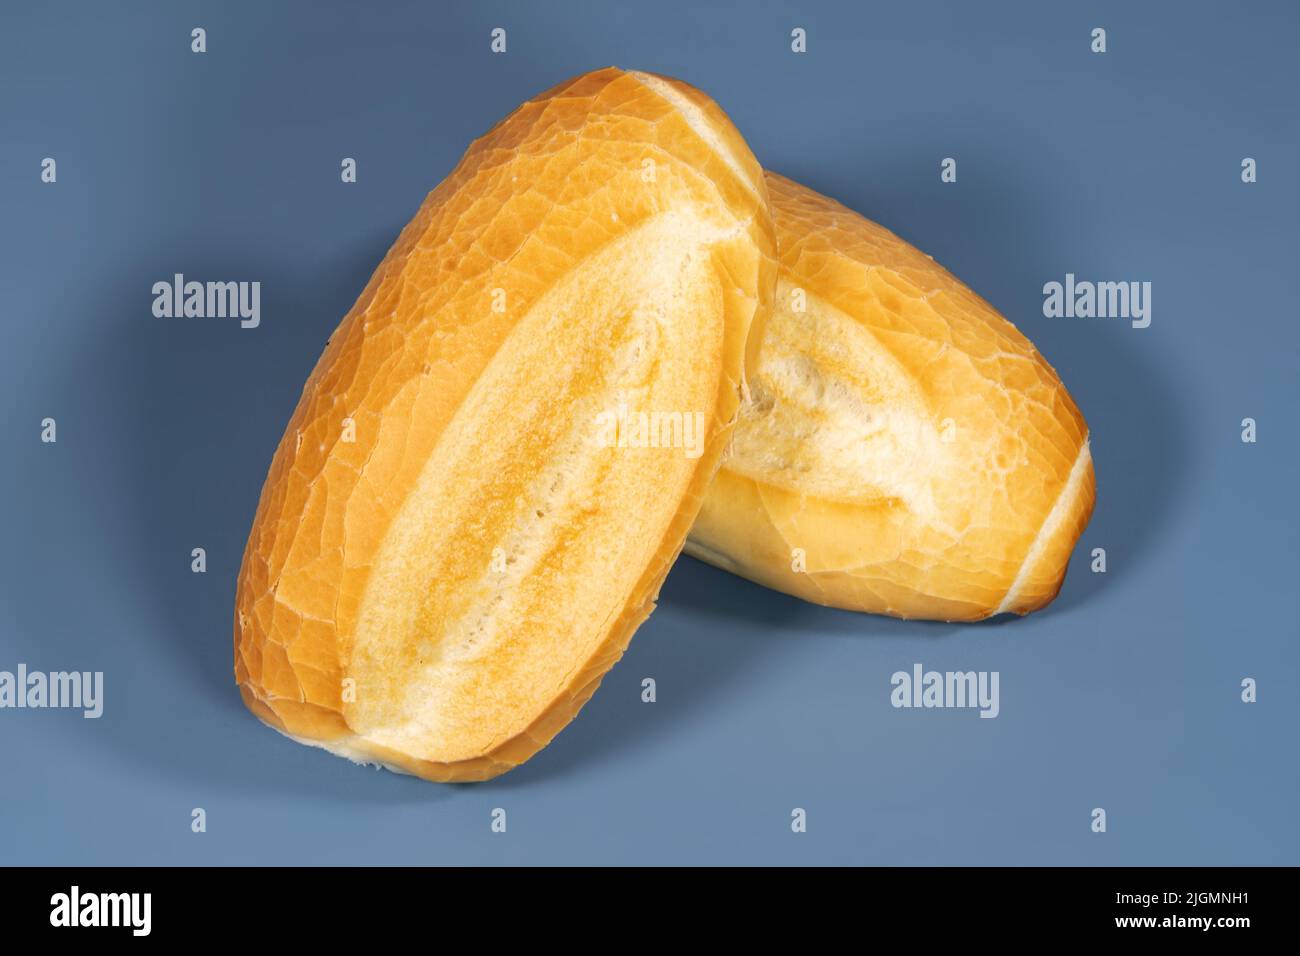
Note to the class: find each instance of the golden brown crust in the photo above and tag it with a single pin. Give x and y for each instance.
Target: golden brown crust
(907, 450)
(441, 588)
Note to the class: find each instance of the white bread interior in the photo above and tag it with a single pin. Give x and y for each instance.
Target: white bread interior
(443, 593)
(905, 450)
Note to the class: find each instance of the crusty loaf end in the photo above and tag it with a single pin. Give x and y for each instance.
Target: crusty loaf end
(905, 450)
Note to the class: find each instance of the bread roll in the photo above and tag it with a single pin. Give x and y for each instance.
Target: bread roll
(447, 555)
(903, 443)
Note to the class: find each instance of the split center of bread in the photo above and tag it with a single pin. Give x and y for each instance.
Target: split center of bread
(479, 602)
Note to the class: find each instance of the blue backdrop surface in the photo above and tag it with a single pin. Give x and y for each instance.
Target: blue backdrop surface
(1125, 165)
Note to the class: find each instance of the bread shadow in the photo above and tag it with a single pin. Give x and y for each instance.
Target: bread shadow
(709, 631)
(725, 625)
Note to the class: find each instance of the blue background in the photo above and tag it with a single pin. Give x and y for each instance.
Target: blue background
(1124, 694)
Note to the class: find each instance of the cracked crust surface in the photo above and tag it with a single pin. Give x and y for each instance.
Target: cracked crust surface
(902, 440)
(441, 593)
